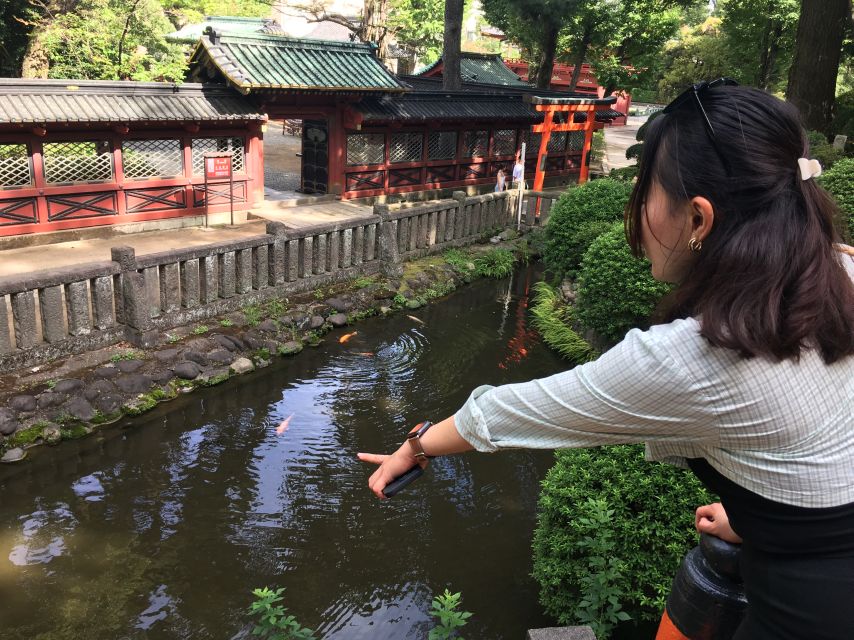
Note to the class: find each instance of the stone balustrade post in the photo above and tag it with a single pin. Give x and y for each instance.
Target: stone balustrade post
(390, 263)
(460, 216)
(135, 312)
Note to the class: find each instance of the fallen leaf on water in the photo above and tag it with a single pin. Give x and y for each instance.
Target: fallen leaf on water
(346, 337)
(418, 320)
(365, 353)
(284, 426)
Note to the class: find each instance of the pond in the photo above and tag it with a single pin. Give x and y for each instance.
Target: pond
(160, 527)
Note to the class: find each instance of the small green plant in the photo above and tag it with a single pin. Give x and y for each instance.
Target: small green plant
(444, 608)
(50, 383)
(599, 606)
(361, 282)
(253, 314)
(461, 262)
(276, 307)
(171, 338)
(399, 300)
(200, 329)
(497, 263)
(225, 322)
(130, 354)
(273, 620)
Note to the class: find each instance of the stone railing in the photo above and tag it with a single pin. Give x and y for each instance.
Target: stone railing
(50, 314)
(531, 201)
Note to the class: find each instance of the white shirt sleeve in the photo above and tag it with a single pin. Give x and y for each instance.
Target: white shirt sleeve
(636, 392)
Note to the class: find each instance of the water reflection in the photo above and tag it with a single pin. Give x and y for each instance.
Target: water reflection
(161, 527)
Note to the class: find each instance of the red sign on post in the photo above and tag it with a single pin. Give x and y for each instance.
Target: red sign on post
(217, 167)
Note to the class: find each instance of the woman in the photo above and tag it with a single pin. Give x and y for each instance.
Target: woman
(750, 383)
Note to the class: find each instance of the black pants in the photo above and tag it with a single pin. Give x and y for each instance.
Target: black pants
(797, 598)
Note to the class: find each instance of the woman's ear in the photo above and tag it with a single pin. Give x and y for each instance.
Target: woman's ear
(702, 217)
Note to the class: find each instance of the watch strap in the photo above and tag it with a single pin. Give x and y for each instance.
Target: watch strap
(414, 439)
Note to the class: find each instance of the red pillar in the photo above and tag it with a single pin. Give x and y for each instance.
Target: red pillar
(588, 141)
(546, 132)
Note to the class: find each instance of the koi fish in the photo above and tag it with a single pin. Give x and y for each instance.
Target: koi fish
(346, 337)
(414, 319)
(367, 354)
(284, 426)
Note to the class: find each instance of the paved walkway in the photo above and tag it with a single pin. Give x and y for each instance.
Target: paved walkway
(617, 140)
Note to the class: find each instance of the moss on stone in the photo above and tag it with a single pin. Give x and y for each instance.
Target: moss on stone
(26, 436)
(74, 432)
(139, 405)
(214, 380)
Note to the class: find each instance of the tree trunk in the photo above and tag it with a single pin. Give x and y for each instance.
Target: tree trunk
(773, 50)
(451, 78)
(762, 72)
(374, 30)
(547, 57)
(579, 58)
(818, 46)
(35, 63)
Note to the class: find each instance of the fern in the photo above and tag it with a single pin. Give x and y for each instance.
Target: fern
(553, 319)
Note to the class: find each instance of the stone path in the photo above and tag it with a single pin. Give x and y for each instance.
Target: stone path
(617, 140)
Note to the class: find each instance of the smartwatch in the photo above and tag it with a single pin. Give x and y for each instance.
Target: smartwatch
(414, 439)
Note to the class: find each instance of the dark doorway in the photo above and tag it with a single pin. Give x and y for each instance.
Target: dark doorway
(315, 156)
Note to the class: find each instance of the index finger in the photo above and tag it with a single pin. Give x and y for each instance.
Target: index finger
(373, 458)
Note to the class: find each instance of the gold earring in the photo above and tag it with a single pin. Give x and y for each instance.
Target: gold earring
(695, 245)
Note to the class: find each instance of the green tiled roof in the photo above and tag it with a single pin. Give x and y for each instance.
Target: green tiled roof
(192, 32)
(483, 69)
(257, 61)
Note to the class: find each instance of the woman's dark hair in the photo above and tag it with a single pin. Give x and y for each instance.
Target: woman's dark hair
(767, 281)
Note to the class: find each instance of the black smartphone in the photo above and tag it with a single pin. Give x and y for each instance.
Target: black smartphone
(400, 482)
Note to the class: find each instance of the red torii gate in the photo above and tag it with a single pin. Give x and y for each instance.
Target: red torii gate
(570, 106)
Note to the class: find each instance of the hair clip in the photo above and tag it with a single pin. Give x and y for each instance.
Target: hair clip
(809, 168)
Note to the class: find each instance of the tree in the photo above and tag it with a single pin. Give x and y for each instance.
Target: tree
(370, 26)
(700, 54)
(418, 27)
(761, 33)
(818, 47)
(451, 77)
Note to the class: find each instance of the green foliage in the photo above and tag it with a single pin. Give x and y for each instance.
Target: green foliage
(578, 217)
(362, 282)
(599, 606)
(701, 53)
(822, 150)
(843, 122)
(444, 608)
(497, 263)
(276, 307)
(462, 263)
(615, 290)
(225, 322)
(652, 519)
(273, 620)
(419, 27)
(253, 314)
(839, 182)
(553, 319)
(624, 174)
(128, 354)
(200, 329)
(399, 300)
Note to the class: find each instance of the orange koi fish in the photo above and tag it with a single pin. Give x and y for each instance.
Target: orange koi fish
(346, 337)
(414, 319)
(284, 426)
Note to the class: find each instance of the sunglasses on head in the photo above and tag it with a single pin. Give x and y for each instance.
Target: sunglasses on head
(693, 95)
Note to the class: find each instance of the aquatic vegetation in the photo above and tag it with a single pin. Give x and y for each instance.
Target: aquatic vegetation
(274, 622)
(553, 319)
(497, 263)
(444, 608)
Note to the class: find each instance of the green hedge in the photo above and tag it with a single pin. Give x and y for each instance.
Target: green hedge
(652, 522)
(616, 291)
(822, 150)
(578, 218)
(839, 181)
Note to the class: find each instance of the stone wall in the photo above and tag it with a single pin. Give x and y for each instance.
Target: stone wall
(55, 313)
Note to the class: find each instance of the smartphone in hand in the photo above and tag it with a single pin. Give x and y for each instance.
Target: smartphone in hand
(401, 482)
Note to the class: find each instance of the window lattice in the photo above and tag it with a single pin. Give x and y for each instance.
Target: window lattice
(476, 144)
(557, 142)
(152, 158)
(441, 145)
(366, 148)
(77, 161)
(405, 147)
(201, 146)
(504, 142)
(532, 141)
(15, 166)
(575, 141)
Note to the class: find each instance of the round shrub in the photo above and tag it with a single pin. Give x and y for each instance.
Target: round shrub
(616, 291)
(839, 182)
(577, 218)
(652, 523)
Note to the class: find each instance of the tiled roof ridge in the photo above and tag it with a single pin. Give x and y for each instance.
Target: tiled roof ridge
(227, 37)
(106, 87)
(245, 19)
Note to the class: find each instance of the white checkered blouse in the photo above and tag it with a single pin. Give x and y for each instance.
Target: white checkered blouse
(784, 430)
